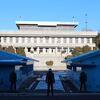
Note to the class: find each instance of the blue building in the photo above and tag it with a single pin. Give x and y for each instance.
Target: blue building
(23, 66)
(90, 63)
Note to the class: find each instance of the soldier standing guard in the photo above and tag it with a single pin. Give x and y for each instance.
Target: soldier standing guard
(13, 79)
(50, 81)
(83, 79)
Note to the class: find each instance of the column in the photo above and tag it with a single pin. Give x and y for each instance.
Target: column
(26, 50)
(25, 39)
(73, 40)
(32, 50)
(50, 40)
(7, 39)
(90, 40)
(67, 40)
(38, 39)
(79, 40)
(44, 50)
(85, 41)
(56, 40)
(32, 40)
(50, 50)
(1, 39)
(43, 40)
(13, 40)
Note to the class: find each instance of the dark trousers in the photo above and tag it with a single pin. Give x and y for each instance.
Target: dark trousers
(50, 89)
(13, 86)
(83, 86)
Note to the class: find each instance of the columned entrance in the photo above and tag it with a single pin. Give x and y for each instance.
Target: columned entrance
(48, 50)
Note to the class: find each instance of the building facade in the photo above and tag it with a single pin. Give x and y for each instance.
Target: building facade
(47, 41)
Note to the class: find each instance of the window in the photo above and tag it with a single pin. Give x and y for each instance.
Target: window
(78, 69)
(88, 40)
(10, 39)
(0, 39)
(5, 39)
(35, 40)
(82, 40)
(47, 39)
(64, 40)
(76, 40)
(58, 40)
(16, 39)
(41, 40)
(70, 40)
(53, 40)
(28, 39)
(23, 39)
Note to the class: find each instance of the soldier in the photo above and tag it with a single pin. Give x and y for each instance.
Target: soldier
(83, 79)
(50, 81)
(13, 79)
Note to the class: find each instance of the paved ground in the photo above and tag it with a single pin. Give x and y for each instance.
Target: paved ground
(32, 85)
(71, 92)
(71, 96)
(28, 93)
(69, 85)
(58, 95)
(42, 85)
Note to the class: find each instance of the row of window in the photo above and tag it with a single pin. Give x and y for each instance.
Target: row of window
(47, 40)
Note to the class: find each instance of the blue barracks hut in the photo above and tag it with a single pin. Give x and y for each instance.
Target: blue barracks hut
(23, 66)
(90, 63)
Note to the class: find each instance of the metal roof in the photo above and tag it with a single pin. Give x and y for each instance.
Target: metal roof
(83, 56)
(9, 58)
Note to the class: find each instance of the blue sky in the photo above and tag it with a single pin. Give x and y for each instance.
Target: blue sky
(50, 10)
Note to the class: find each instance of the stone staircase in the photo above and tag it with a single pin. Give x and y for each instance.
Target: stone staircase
(41, 65)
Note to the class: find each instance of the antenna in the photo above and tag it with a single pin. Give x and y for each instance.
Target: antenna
(20, 18)
(86, 22)
(73, 19)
